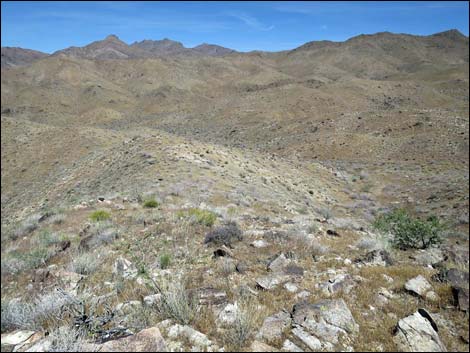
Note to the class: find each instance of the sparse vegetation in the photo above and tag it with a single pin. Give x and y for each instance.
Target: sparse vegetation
(47, 238)
(27, 226)
(226, 234)
(246, 322)
(326, 213)
(165, 260)
(67, 339)
(177, 302)
(100, 215)
(45, 311)
(409, 232)
(85, 263)
(102, 233)
(198, 216)
(151, 203)
(56, 219)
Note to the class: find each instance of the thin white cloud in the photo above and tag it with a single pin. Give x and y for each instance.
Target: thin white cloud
(249, 20)
(163, 21)
(316, 8)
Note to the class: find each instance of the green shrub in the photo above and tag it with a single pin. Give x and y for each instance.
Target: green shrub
(203, 217)
(409, 232)
(100, 215)
(151, 203)
(165, 260)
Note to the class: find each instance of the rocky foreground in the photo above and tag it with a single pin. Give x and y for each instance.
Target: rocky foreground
(156, 277)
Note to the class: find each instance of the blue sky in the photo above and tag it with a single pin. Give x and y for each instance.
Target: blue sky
(244, 26)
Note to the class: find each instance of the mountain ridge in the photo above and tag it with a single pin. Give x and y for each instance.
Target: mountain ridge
(112, 47)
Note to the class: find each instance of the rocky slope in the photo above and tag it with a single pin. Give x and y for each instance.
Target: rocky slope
(225, 201)
(12, 57)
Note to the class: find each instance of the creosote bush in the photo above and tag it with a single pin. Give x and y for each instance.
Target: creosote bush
(100, 215)
(409, 232)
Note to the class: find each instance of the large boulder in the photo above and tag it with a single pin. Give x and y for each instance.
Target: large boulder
(418, 333)
(428, 257)
(327, 319)
(418, 285)
(16, 337)
(274, 326)
(457, 278)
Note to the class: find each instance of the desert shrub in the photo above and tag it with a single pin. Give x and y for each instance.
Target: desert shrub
(226, 234)
(313, 228)
(326, 213)
(305, 246)
(368, 244)
(225, 266)
(409, 232)
(16, 315)
(67, 339)
(38, 257)
(151, 203)
(27, 226)
(44, 311)
(165, 260)
(196, 215)
(102, 233)
(177, 302)
(85, 263)
(100, 215)
(57, 218)
(18, 261)
(245, 324)
(12, 264)
(47, 238)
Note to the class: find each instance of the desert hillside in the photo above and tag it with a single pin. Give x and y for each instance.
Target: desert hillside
(158, 197)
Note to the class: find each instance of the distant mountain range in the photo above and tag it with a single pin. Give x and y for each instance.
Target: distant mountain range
(113, 48)
(377, 45)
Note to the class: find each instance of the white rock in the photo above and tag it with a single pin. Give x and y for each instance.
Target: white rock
(196, 338)
(152, 299)
(259, 244)
(302, 295)
(227, 315)
(432, 297)
(416, 333)
(289, 346)
(310, 341)
(418, 285)
(16, 337)
(291, 287)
